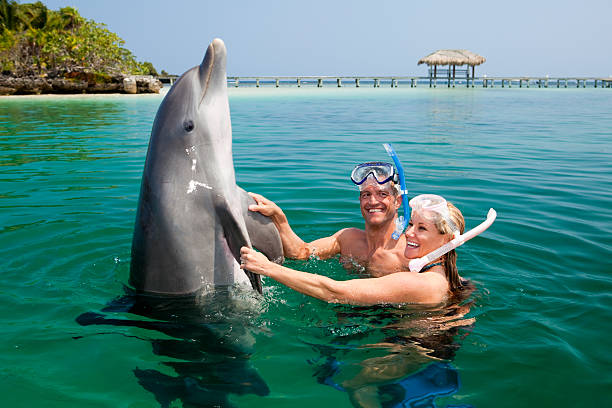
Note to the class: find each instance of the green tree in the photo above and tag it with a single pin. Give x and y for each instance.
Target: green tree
(7, 15)
(36, 40)
(147, 68)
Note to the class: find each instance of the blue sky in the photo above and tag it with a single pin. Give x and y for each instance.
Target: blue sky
(380, 37)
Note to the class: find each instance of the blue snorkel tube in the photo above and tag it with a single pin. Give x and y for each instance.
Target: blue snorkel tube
(402, 220)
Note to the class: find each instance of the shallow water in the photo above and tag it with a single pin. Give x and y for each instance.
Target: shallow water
(535, 332)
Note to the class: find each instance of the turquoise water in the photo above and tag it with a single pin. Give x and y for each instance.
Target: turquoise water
(534, 333)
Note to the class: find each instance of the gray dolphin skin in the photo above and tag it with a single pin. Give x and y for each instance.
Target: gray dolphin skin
(192, 219)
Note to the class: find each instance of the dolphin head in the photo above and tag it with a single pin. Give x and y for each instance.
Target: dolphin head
(193, 122)
(188, 193)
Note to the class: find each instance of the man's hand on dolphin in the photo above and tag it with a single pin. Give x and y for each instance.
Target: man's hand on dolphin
(265, 206)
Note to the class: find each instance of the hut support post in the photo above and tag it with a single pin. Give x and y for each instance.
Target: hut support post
(435, 75)
(473, 74)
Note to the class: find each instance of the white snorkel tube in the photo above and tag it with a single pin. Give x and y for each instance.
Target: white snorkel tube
(417, 264)
(402, 220)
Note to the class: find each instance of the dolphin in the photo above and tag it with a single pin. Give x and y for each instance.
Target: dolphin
(192, 219)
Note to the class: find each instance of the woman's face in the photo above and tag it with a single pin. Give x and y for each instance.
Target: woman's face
(422, 236)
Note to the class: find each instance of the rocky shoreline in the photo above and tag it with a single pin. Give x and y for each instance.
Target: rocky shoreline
(78, 83)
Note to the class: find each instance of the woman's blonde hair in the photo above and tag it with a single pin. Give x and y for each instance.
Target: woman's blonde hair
(450, 258)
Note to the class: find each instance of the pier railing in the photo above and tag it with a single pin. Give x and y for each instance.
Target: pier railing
(411, 81)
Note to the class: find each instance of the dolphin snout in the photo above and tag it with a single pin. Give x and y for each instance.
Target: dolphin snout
(212, 69)
(218, 45)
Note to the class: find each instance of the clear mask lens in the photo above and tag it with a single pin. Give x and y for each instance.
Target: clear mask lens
(381, 172)
(371, 181)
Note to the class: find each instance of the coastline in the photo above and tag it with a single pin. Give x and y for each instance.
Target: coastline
(100, 95)
(79, 83)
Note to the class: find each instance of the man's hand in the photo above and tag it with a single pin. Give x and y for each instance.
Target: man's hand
(265, 207)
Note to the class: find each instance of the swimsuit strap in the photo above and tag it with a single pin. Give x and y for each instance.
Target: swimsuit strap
(428, 267)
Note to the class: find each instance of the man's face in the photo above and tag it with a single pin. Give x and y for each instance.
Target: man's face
(378, 203)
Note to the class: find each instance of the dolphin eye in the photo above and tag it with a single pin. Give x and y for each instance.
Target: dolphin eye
(188, 125)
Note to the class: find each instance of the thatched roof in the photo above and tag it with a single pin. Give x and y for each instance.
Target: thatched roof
(452, 57)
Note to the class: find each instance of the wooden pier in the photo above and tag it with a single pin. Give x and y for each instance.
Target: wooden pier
(410, 81)
(322, 81)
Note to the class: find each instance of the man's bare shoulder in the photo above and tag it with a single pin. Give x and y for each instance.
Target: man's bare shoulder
(350, 234)
(352, 241)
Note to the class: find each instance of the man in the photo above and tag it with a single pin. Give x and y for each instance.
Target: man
(373, 248)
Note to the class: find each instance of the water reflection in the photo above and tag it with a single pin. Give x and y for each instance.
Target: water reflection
(70, 130)
(409, 365)
(211, 341)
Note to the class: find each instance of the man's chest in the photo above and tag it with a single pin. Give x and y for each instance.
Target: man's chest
(380, 262)
(383, 262)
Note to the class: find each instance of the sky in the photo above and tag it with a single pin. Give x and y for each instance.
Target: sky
(374, 37)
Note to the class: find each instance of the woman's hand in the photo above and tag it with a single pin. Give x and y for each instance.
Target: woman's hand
(254, 261)
(264, 206)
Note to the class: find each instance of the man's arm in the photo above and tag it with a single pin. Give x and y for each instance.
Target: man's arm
(293, 246)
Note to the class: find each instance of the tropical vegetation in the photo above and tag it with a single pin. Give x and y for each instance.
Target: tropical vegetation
(37, 41)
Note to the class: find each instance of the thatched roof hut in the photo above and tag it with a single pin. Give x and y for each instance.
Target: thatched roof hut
(452, 57)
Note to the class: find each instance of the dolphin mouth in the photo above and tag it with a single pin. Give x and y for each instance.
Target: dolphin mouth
(210, 64)
(209, 71)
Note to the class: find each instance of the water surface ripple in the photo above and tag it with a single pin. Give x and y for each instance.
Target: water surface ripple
(535, 332)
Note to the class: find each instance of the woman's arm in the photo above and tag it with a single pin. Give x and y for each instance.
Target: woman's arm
(293, 246)
(400, 287)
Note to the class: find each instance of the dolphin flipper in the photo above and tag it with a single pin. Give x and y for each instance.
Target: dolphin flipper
(262, 231)
(234, 236)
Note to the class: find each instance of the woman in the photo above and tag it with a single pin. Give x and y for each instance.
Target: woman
(430, 227)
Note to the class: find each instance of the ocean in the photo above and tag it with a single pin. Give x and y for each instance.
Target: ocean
(534, 333)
